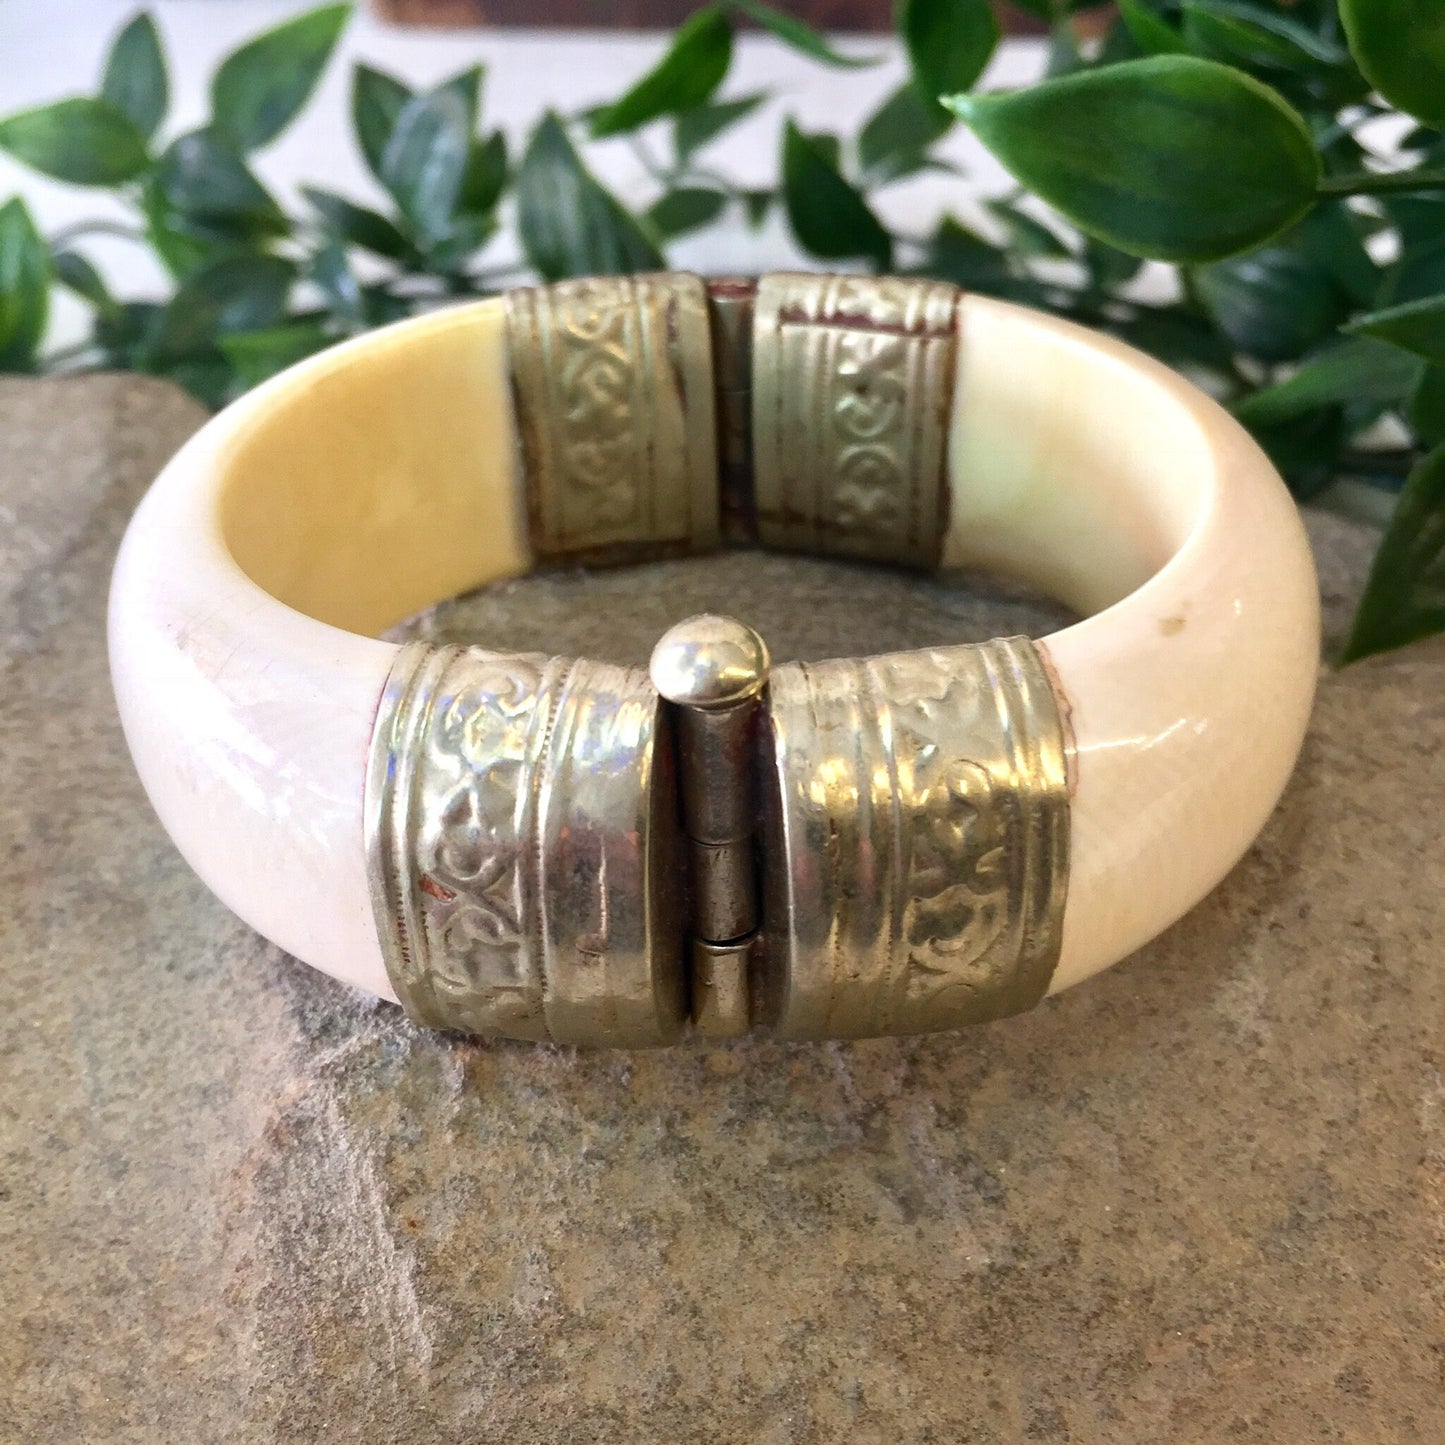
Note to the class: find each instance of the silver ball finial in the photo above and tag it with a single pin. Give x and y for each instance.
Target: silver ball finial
(709, 662)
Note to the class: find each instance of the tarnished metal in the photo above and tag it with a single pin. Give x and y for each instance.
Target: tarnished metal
(730, 308)
(521, 822)
(724, 886)
(720, 990)
(529, 874)
(522, 827)
(613, 384)
(852, 390)
(712, 671)
(916, 852)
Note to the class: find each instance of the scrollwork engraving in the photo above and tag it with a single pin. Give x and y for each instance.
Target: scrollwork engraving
(918, 857)
(612, 378)
(511, 828)
(853, 380)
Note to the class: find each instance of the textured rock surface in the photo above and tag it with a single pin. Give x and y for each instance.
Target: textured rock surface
(1200, 1198)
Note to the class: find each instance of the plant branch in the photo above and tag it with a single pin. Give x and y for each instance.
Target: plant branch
(67, 234)
(649, 163)
(1378, 183)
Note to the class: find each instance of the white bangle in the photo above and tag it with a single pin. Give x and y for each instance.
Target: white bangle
(369, 482)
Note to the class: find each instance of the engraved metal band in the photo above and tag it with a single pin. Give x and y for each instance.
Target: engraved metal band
(852, 388)
(612, 380)
(916, 852)
(521, 823)
(527, 868)
(529, 874)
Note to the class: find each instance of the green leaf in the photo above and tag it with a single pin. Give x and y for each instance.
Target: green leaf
(1118, 45)
(685, 77)
(464, 238)
(87, 142)
(1404, 598)
(956, 254)
(256, 356)
(383, 306)
(208, 378)
(259, 88)
(829, 146)
(1109, 268)
(1065, 56)
(1419, 271)
(486, 174)
(1358, 369)
(135, 80)
(686, 209)
(911, 163)
(1417, 326)
(829, 216)
(1275, 303)
(756, 205)
(1428, 144)
(1170, 157)
(1264, 37)
(905, 125)
(1331, 235)
(569, 224)
(76, 274)
(330, 272)
(357, 225)
(1425, 407)
(695, 128)
(1151, 32)
(426, 159)
(948, 42)
(796, 34)
(200, 173)
(181, 246)
(123, 338)
(377, 99)
(24, 287)
(467, 86)
(1420, 219)
(1305, 449)
(1400, 45)
(1027, 235)
(236, 293)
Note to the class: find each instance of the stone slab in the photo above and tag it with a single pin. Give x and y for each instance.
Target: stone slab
(1200, 1198)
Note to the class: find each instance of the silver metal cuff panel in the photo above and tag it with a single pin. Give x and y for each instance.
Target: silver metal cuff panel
(852, 389)
(916, 848)
(612, 379)
(526, 867)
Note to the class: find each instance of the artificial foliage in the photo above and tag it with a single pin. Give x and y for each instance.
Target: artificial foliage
(1287, 160)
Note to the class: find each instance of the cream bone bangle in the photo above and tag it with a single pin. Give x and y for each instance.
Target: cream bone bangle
(548, 849)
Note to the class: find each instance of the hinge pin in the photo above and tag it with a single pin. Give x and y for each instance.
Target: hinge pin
(713, 671)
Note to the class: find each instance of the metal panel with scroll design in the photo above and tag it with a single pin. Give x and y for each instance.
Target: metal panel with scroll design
(522, 826)
(916, 842)
(613, 383)
(852, 385)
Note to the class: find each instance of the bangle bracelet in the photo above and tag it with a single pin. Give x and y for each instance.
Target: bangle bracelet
(562, 850)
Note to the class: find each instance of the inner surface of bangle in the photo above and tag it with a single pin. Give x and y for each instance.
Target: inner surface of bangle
(808, 608)
(387, 475)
